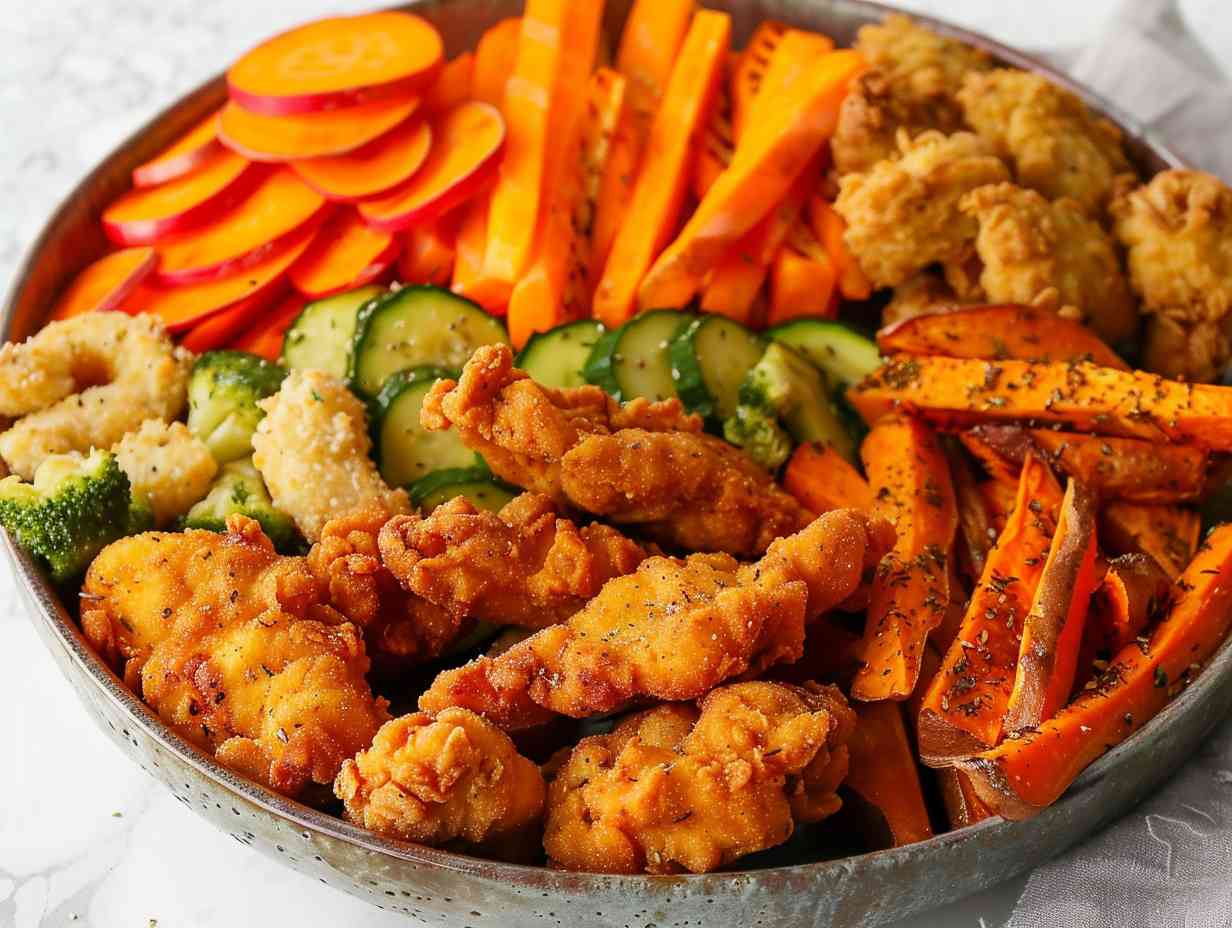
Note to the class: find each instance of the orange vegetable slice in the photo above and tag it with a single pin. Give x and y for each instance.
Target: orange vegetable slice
(220, 328)
(1168, 534)
(829, 227)
(428, 252)
(337, 62)
(190, 151)
(750, 70)
(265, 337)
(884, 773)
(347, 254)
(279, 207)
(106, 283)
(821, 479)
(494, 57)
(379, 167)
(800, 286)
(452, 86)
(310, 135)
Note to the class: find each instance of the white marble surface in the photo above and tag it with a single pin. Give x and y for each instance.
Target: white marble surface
(85, 837)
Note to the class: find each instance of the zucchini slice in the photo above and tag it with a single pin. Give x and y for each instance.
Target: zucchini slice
(475, 483)
(320, 337)
(414, 326)
(710, 359)
(846, 356)
(598, 366)
(406, 451)
(556, 358)
(637, 356)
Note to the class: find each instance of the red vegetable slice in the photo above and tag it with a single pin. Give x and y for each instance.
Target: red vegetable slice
(106, 283)
(377, 168)
(266, 336)
(337, 62)
(222, 327)
(192, 150)
(310, 135)
(275, 212)
(348, 253)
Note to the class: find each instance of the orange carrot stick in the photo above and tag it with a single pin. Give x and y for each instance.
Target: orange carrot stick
(1169, 534)
(821, 479)
(718, 144)
(883, 772)
(266, 336)
(750, 70)
(494, 57)
(452, 86)
(800, 286)
(428, 252)
(829, 227)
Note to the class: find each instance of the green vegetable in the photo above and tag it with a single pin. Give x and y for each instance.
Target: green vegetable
(223, 392)
(74, 507)
(238, 488)
(758, 432)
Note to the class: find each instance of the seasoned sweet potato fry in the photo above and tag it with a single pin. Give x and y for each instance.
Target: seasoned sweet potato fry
(1169, 534)
(1022, 776)
(976, 533)
(996, 457)
(883, 771)
(962, 806)
(821, 479)
(1133, 591)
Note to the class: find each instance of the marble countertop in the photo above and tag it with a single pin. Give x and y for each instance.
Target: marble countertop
(86, 838)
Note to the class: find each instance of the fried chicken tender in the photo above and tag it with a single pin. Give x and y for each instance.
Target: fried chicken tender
(454, 779)
(522, 566)
(1051, 255)
(1177, 231)
(640, 463)
(85, 383)
(672, 630)
(678, 788)
(1055, 143)
(234, 648)
(168, 466)
(911, 85)
(902, 215)
(312, 451)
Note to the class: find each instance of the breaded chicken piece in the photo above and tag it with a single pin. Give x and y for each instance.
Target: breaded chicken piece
(168, 466)
(902, 215)
(453, 779)
(920, 294)
(914, 75)
(640, 463)
(1051, 255)
(672, 630)
(1177, 231)
(233, 647)
(677, 789)
(1054, 142)
(400, 628)
(522, 566)
(312, 451)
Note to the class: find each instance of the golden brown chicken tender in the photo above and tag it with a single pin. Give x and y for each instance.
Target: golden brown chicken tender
(1055, 143)
(1051, 255)
(640, 463)
(233, 647)
(1177, 230)
(902, 215)
(523, 566)
(672, 630)
(679, 788)
(453, 779)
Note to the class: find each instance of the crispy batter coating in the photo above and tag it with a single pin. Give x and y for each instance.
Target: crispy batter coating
(911, 85)
(312, 451)
(85, 383)
(676, 789)
(672, 630)
(453, 779)
(1051, 255)
(640, 463)
(902, 215)
(234, 648)
(1055, 143)
(523, 566)
(1177, 230)
(918, 295)
(167, 465)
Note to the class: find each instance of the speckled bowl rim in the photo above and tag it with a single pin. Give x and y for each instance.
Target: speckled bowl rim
(50, 611)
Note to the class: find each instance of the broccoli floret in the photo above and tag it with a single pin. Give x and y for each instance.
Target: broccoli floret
(238, 488)
(222, 400)
(74, 507)
(758, 432)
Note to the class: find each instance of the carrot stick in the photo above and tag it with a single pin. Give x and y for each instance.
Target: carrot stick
(751, 69)
(468, 277)
(1022, 776)
(1132, 593)
(428, 252)
(797, 121)
(829, 227)
(266, 336)
(799, 286)
(965, 704)
(910, 482)
(883, 771)
(1169, 534)
(717, 147)
(658, 194)
(494, 57)
(821, 479)
(452, 86)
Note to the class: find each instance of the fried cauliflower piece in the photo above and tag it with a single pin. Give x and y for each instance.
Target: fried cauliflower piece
(85, 383)
(168, 466)
(1177, 231)
(913, 77)
(450, 780)
(640, 463)
(523, 566)
(1051, 255)
(312, 451)
(1055, 143)
(672, 630)
(902, 215)
(234, 648)
(679, 788)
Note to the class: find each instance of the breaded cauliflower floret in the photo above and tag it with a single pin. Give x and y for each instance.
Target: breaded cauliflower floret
(167, 466)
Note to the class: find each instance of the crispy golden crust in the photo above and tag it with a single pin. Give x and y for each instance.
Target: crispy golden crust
(902, 215)
(166, 465)
(677, 789)
(918, 295)
(672, 630)
(524, 566)
(1050, 255)
(232, 646)
(453, 779)
(640, 463)
(1056, 145)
